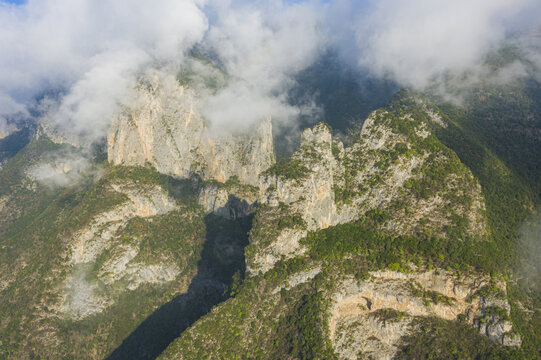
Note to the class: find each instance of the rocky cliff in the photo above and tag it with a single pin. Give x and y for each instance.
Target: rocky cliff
(289, 312)
(394, 172)
(163, 127)
(118, 259)
(352, 247)
(369, 318)
(365, 287)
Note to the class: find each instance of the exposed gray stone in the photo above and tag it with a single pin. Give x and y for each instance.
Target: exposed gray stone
(163, 127)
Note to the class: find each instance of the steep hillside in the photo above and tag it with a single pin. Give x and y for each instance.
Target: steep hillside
(12, 143)
(395, 241)
(101, 258)
(394, 173)
(164, 128)
(344, 262)
(22, 199)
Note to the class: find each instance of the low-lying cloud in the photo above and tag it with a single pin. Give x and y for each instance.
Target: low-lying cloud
(262, 45)
(530, 250)
(416, 42)
(91, 53)
(6, 128)
(61, 168)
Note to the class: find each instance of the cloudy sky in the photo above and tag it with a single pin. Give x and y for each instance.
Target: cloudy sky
(88, 53)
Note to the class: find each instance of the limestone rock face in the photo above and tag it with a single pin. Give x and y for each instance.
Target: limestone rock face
(312, 194)
(382, 171)
(399, 179)
(492, 325)
(231, 202)
(4, 133)
(62, 135)
(82, 297)
(373, 315)
(163, 127)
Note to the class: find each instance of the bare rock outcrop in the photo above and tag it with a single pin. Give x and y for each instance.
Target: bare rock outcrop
(311, 193)
(231, 201)
(163, 127)
(372, 316)
(405, 179)
(82, 296)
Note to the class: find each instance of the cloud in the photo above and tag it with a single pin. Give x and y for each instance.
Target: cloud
(414, 42)
(262, 45)
(9, 106)
(86, 109)
(531, 47)
(60, 168)
(90, 53)
(6, 128)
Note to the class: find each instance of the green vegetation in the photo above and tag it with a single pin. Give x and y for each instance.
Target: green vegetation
(434, 176)
(201, 73)
(526, 320)
(165, 237)
(494, 311)
(268, 316)
(493, 137)
(268, 224)
(430, 297)
(304, 332)
(260, 322)
(13, 173)
(491, 290)
(376, 250)
(440, 339)
(359, 247)
(507, 197)
(234, 186)
(25, 200)
(196, 244)
(288, 168)
(441, 174)
(180, 189)
(386, 315)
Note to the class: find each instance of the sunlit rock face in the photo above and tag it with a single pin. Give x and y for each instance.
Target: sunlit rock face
(83, 295)
(163, 127)
(327, 183)
(369, 318)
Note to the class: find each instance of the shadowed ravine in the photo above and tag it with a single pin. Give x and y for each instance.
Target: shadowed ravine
(222, 256)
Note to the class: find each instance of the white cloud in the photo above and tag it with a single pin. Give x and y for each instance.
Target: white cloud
(415, 41)
(93, 50)
(262, 45)
(6, 128)
(60, 169)
(91, 101)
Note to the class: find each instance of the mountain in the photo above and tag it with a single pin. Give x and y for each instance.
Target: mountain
(398, 235)
(150, 132)
(362, 270)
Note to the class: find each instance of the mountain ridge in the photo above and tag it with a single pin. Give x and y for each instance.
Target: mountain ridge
(390, 213)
